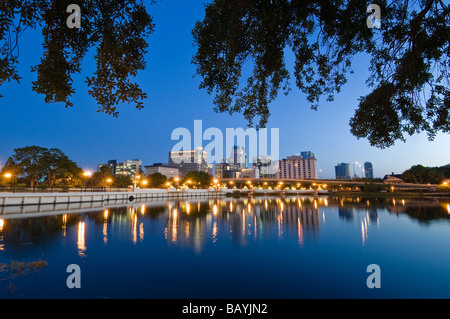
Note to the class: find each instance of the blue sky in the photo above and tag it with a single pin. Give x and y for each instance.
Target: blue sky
(175, 101)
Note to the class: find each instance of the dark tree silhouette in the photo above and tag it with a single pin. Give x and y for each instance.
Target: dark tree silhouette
(116, 28)
(409, 60)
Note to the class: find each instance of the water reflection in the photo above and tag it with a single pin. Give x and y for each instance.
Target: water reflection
(196, 224)
(81, 243)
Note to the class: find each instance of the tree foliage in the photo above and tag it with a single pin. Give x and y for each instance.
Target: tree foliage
(423, 175)
(122, 181)
(198, 178)
(409, 60)
(34, 163)
(100, 178)
(116, 28)
(156, 180)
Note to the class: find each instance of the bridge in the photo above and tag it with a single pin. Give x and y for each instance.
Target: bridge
(318, 183)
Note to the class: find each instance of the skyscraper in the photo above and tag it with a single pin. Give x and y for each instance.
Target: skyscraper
(368, 170)
(343, 171)
(238, 157)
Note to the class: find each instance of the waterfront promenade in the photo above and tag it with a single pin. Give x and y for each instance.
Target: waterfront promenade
(45, 203)
(20, 204)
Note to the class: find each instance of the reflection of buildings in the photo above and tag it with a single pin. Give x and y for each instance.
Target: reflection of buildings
(187, 224)
(346, 213)
(204, 223)
(198, 225)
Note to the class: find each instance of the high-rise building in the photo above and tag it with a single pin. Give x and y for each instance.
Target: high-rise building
(264, 166)
(343, 171)
(297, 167)
(129, 167)
(191, 160)
(238, 157)
(368, 170)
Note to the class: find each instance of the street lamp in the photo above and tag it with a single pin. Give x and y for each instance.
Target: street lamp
(109, 181)
(9, 176)
(87, 174)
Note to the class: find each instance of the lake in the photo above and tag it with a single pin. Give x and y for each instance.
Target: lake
(262, 247)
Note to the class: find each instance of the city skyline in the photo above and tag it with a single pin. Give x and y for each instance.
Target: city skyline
(175, 101)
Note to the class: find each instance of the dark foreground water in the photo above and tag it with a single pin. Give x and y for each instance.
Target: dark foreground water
(237, 248)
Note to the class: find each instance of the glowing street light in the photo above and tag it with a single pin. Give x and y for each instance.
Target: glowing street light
(9, 176)
(87, 174)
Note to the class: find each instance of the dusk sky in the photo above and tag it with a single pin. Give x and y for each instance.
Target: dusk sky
(174, 100)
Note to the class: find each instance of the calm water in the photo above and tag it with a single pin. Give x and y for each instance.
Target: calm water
(237, 248)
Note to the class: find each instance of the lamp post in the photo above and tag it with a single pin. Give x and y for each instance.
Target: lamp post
(9, 177)
(86, 175)
(109, 181)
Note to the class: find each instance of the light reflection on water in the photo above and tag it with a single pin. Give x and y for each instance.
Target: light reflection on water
(194, 223)
(298, 228)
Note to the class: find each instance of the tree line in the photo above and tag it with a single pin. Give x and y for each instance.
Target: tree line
(422, 175)
(39, 166)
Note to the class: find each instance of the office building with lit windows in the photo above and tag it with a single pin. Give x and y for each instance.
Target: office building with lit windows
(298, 167)
(129, 167)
